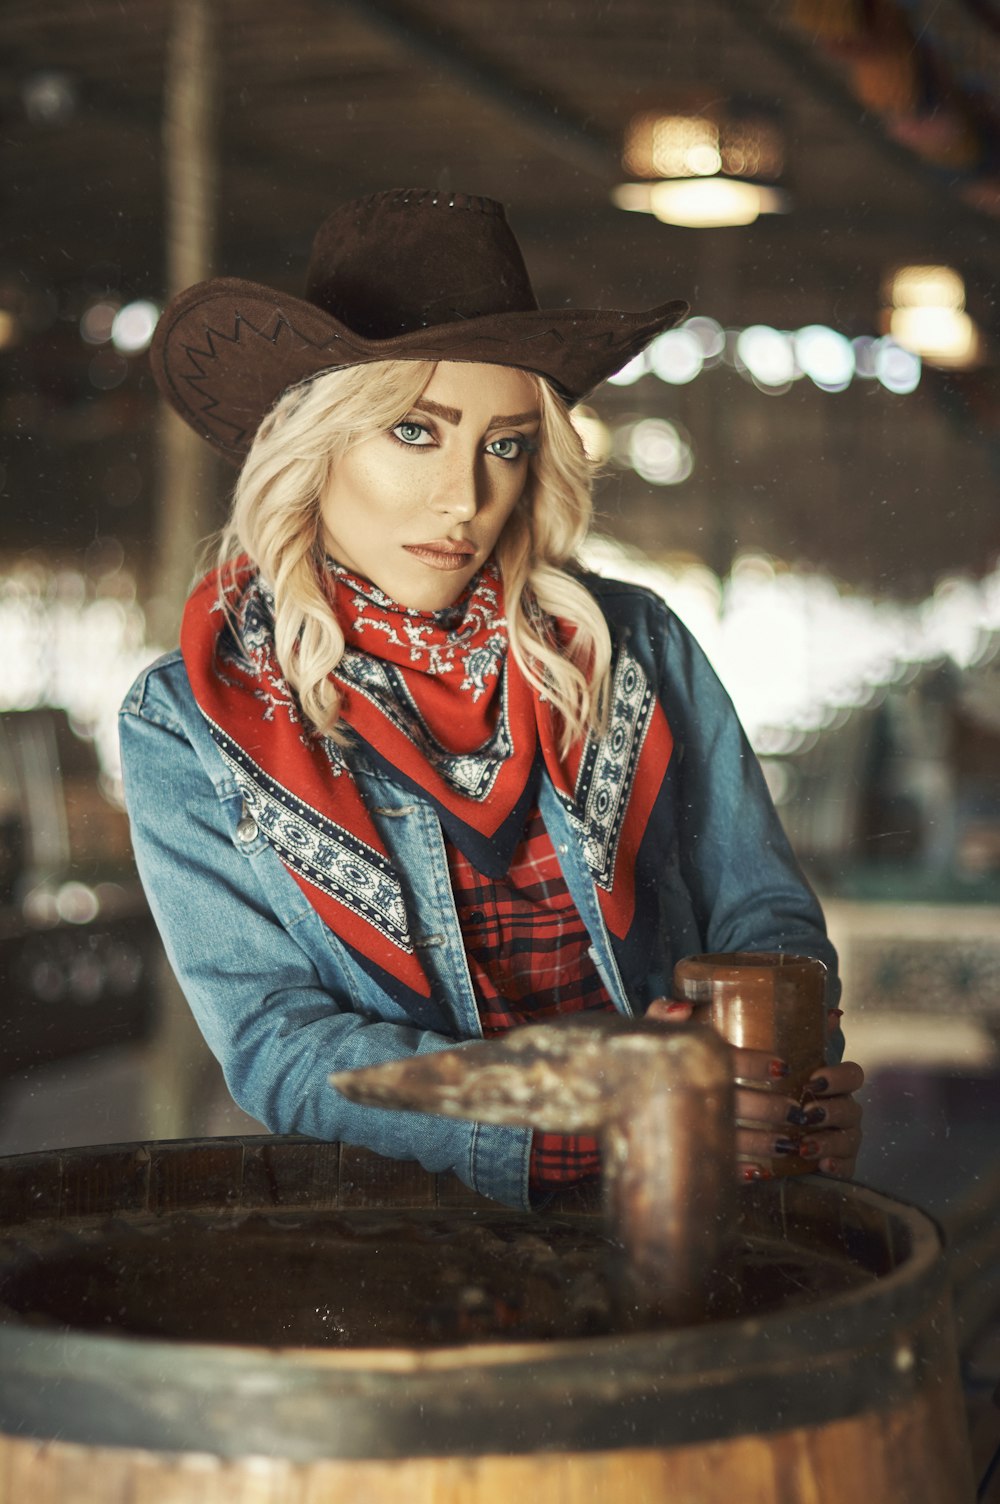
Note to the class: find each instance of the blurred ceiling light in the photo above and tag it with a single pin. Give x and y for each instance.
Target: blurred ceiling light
(701, 203)
(677, 357)
(594, 433)
(706, 203)
(107, 370)
(662, 145)
(926, 287)
(865, 348)
(97, 321)
(769, 357)
(631, 371)
(705, 169)
(9, 329)
(941, 336)
(825, 356)
(897, 369)
(659, 453)
(928, 315)
(710, 335)
(133, 326)
(49, 97)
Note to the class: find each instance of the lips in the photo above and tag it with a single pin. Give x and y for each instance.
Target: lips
(441, 553)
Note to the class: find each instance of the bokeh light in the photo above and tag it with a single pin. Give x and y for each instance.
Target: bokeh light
(897, 369)
(710, 335)
(636, 368)
(825, 356)
(800, 653)
(677, 357)
(74, 642)
(134, 325)
(659, 452)
(97, 322)
(107, 370)
(768, 355)
(772, 359)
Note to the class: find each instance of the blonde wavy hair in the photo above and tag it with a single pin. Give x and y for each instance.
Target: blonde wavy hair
(275, 520)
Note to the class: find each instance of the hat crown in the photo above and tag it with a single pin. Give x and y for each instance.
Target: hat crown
(413, 258)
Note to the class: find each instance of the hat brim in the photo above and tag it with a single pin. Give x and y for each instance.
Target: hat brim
(224, 351)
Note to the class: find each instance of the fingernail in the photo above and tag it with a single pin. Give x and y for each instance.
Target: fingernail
(817, 1085)
(677, 1007)
(828, 1166)
(799, 1117)
(808, 1149)
(776, 1069)
(813, 1116)
(754, 1172)
(834, 1013)
(786, 1146)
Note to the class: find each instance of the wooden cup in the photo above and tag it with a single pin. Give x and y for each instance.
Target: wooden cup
(764, 1000)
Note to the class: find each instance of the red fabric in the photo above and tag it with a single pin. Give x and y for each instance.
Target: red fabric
(457, 678)
(527, 949)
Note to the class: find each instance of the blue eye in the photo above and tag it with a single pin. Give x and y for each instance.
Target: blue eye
(411, 433)
(509, 448)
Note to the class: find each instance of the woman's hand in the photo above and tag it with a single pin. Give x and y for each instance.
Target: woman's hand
(824, 1130)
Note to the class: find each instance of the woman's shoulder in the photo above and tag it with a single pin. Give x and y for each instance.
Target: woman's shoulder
(162, 693)
(625, 603)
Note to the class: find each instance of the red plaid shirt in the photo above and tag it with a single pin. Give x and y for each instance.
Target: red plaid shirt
(528, 958)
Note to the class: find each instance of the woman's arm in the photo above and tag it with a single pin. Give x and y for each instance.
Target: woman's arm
(276, 1025)
(747, 887)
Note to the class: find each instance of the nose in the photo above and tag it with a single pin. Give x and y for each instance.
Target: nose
(459, 494)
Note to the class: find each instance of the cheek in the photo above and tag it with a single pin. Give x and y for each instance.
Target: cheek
(374, 487)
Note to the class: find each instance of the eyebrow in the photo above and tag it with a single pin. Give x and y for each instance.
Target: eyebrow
(453, 415)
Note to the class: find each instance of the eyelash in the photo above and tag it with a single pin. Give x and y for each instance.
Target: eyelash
(524, 445)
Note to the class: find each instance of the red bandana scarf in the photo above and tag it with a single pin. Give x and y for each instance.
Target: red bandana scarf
(435, 699)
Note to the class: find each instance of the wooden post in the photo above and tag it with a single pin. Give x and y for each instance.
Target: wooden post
(186, 508)
(178, 1062)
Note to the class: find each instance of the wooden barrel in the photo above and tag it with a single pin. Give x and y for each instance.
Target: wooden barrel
(115, 1261)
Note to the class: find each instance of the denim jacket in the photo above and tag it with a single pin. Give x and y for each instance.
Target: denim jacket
(282, 1002)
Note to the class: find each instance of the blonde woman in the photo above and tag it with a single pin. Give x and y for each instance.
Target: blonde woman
(414, 777)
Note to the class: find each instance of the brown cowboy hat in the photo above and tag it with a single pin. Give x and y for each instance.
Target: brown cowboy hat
(405, 275)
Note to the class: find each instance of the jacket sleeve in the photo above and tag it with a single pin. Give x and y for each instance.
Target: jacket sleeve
(256, 993)
(747, 888)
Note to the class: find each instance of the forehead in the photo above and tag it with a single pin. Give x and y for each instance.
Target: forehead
(474, 387)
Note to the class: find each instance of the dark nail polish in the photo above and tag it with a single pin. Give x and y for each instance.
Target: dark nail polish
(808, 1149)
(813, 1116)
(799, 1117)
(777, 1069)
(817, 1086)
(786, 1146)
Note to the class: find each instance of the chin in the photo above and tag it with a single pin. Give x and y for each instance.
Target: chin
(429, 594)
(432, 600)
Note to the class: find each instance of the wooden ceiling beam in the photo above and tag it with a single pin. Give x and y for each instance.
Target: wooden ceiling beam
(555, 122)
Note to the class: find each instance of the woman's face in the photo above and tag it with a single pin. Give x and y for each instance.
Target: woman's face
(419, 508)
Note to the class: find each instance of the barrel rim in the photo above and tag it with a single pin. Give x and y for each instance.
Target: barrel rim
(303, 1403)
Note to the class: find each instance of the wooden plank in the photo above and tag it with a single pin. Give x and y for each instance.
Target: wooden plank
(370, 1180)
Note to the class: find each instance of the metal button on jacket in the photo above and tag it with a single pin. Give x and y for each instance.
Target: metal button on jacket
(246, 831)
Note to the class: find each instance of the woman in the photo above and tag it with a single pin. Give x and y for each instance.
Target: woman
(413, 777)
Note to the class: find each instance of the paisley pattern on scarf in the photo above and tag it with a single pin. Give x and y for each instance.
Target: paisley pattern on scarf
(435, 700)
(467, 639)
